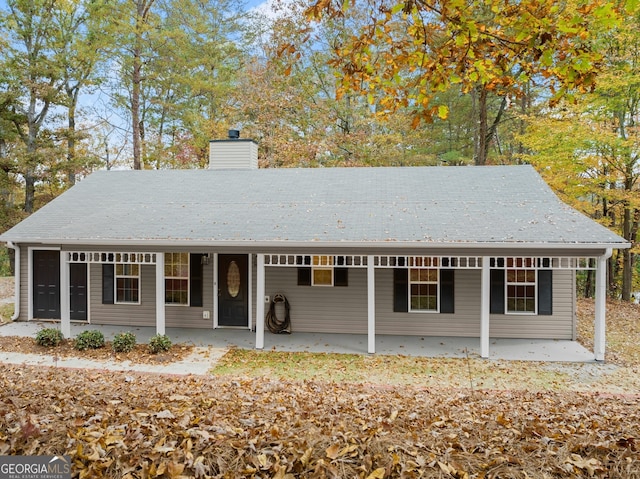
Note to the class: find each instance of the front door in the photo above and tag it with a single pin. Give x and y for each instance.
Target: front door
(46, 284)
(78, 291)
(233, 296)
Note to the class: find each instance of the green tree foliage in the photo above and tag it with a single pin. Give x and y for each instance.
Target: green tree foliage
(177, 62)
(32, 72)
(79, 41)
(590, 152)
(411, 51)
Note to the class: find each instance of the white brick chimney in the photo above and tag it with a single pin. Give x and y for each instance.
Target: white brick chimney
(233, 152)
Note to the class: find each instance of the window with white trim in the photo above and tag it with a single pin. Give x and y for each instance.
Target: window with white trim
(127, 283)
(176, 278)
(521, 285)
(423, 289)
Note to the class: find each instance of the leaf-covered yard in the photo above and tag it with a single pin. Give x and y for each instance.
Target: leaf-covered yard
(288, 415)
(125, 425)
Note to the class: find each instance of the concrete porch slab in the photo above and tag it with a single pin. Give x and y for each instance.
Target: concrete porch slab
(423, 346)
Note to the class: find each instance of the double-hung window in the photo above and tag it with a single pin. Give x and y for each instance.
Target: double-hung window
(176, 278)
(521, 285)
(127, 283)
(423, 289)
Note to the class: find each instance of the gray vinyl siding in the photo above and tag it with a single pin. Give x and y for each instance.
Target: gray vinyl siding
(144, 314)
(322, 309)
(25, 277)
(464, 322)
(560, 325)
(333, 309)
(344, 309)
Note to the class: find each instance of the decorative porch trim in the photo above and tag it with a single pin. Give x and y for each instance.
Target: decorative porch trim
(544, 262)
(110, 257)
(437, 261)
(352, 261)
(431, 262)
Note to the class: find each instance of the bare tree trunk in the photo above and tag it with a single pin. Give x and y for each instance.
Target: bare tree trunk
(142, 11)
(71, 139)
(34, 122)
(630, 232)
(135, 108)
(481, 147)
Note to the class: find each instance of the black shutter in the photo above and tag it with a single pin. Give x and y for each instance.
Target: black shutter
(195, 279)
(400, 290)
(341, 276)
(446, 291)
(545, 292)
(304, 276)
(496, 303)
(108, 279)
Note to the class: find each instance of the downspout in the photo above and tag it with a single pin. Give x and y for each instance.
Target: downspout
(16, 276)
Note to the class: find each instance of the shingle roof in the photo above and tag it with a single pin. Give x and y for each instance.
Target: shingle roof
(492, 204)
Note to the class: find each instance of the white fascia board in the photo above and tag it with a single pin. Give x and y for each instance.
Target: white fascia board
(391, 245)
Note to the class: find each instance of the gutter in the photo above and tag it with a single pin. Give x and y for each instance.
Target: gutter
(379, 245)
(16, 276)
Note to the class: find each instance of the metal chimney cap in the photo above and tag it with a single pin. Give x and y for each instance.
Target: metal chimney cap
(234, 134)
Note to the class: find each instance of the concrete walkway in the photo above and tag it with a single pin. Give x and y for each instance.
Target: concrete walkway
(213, 344)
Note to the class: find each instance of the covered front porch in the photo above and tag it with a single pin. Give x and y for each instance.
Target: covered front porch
(373, 341)
(417, 346)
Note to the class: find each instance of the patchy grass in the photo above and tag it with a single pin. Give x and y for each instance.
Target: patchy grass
(468, 374)
(620, 374)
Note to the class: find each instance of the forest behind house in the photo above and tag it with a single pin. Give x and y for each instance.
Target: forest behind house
(145, 84)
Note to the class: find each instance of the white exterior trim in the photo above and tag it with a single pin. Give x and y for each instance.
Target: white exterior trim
(65, 304)
(216, 291)
(263, 244)
(160, 299)
(250, 290)
(485, 300)
(110, 257)
(599, 337)
(16, 279)
(371, 306)
(260, 292)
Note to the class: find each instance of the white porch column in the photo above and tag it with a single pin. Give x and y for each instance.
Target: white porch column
(65, 306)
(160, 299)
(216, 290)
(599, 337)
(260, 292)
(485, 291)
(371, 305)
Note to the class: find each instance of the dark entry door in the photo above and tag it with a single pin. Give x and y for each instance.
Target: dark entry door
(46, 284)
(78, 291)
(233, 297)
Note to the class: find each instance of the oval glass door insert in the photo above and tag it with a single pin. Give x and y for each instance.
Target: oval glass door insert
(233, 279)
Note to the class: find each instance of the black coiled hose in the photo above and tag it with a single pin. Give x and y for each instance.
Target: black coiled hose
(273, 323)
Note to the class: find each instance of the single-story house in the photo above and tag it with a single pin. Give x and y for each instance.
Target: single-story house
(486, 252)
